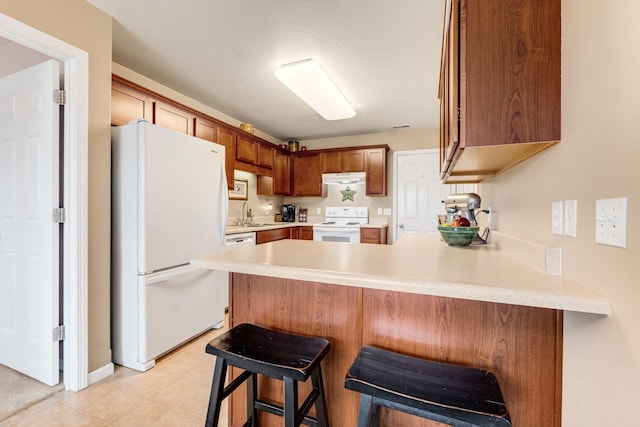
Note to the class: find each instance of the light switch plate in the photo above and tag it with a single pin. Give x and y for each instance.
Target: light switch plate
(319, 211)
(611, 222)
(570, 217)
(387, 211)
(379, 211)
(557, 218)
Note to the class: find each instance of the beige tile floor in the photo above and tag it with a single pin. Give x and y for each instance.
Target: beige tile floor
(173, 393)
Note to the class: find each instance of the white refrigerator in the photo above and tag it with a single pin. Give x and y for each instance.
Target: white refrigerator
(169, 203)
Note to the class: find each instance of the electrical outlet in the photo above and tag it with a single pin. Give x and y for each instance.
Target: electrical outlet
(489, 212)
(379, 211)
(570, 217)
(387, 211)
(557, 218)
(611, 222)
(319, 211)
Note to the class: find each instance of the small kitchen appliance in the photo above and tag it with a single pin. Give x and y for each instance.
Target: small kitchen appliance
(341, 224)
(302, 214)
(464, 205)
(288, 213)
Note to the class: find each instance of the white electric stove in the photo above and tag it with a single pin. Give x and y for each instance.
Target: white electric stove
(341, 224)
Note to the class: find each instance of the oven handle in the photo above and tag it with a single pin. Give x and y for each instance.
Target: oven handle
(337, 229)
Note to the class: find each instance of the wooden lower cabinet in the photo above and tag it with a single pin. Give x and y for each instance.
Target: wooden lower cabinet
(305, 232)
(267, 236)
(521, 345)
(376, 236)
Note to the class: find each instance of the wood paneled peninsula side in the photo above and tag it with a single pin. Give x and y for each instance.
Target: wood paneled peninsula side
(475, 306)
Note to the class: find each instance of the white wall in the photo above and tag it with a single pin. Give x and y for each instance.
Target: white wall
(597, 158)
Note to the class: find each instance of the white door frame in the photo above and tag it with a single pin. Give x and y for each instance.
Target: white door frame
(76, 66)
(394, 217)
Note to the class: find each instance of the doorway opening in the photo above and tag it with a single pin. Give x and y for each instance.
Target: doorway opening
(419, 192)
(74, 175)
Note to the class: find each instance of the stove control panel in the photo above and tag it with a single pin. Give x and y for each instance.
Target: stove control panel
(347, 212)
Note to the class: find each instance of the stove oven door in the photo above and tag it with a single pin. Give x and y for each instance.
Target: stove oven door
(336, 234)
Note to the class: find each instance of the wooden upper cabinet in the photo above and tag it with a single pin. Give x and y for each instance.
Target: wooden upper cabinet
(503, 64)
(353, 160)
(281, 173)
(246, 149)
(307, 176)
(172, 117)
(331, 161)
(279, 183)
(211, 131)
(376, 171)
(128, 104)
(265, 155)
(343, 160)
(227, 137)
(206, 129)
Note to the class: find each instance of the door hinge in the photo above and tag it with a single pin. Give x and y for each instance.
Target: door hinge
(59, 97)
(59, 215)
(58, 333)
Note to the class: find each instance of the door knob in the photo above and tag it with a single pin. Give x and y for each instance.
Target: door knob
(401, 226)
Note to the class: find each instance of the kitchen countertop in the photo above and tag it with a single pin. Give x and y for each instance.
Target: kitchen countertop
(420, 264)
(374, 225)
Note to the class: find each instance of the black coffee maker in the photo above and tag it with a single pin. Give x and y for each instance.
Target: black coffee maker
(288, 213)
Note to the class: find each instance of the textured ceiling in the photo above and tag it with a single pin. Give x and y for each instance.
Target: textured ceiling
(383, 55)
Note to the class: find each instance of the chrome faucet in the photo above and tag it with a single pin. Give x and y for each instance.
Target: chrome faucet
(244, 218)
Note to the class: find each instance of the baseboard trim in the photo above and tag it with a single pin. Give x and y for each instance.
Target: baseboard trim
(100, 373)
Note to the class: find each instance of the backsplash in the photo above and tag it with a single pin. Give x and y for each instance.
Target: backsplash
(264, 207)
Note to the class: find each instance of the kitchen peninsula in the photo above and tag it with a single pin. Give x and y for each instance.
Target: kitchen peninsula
(474, 306)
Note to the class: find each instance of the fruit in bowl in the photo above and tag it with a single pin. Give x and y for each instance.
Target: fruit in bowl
(458, 235)
(458, 222)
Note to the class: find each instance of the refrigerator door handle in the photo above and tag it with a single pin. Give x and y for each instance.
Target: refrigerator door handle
(224, 196)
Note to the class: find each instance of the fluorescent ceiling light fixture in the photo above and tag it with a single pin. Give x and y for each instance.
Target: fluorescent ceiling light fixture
(308, 80)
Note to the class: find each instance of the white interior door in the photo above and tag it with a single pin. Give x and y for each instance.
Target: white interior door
(29, 260)
(419, 192)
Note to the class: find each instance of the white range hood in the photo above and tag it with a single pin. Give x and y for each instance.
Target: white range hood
(344, 178)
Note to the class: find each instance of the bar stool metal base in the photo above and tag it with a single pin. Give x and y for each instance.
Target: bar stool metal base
(260, 351)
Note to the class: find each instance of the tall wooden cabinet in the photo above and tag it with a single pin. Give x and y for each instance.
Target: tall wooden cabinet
(279, 183)
(499, 85)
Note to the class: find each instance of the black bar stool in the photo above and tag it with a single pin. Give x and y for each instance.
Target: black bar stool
(287, 357)
(449, 394)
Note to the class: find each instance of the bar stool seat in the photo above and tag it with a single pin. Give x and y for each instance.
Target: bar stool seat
(287, 357)
(449, 394)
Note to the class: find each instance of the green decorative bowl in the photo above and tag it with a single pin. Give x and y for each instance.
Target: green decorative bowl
(457, 236)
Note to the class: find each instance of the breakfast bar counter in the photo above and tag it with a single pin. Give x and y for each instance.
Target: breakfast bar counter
(475, 306)
(415, 264)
